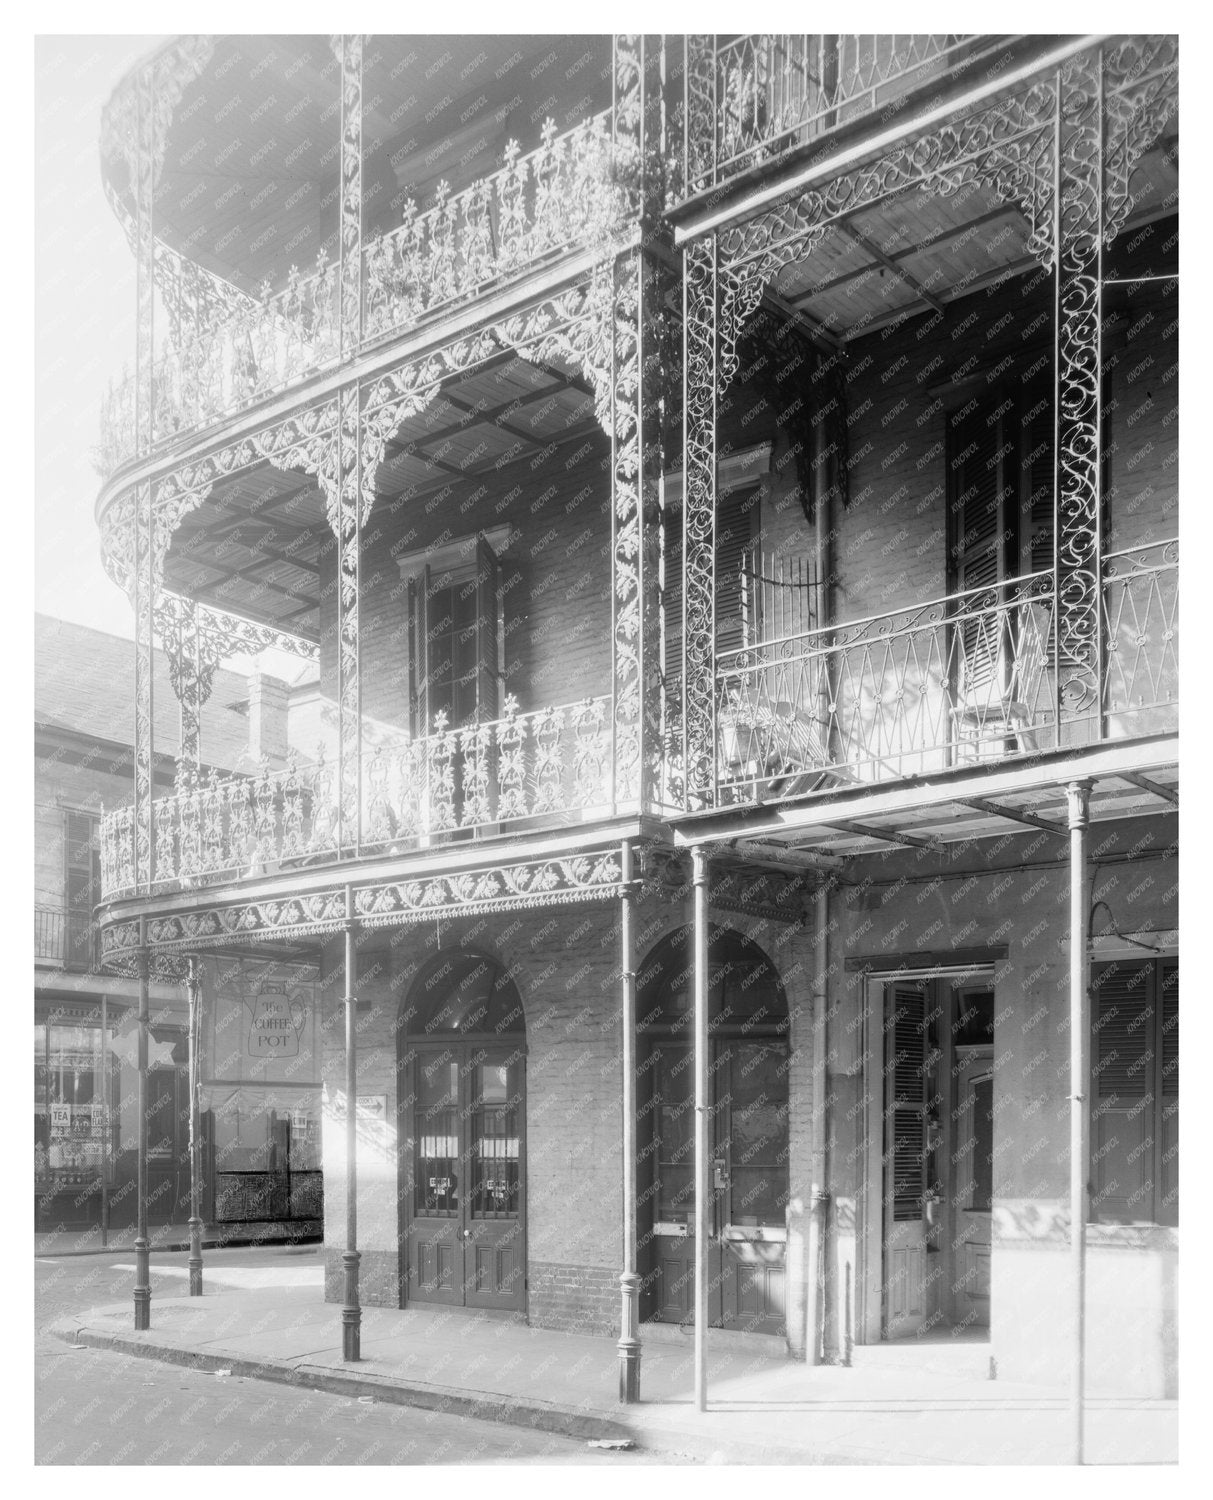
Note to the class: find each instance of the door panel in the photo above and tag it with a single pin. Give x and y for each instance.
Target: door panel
(906, 1285)
(465, 1238)
(749, 1178)
(972, 1156)
(435, 1232)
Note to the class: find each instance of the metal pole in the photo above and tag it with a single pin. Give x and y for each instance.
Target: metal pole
(820, 1197)
(143, 1273)
(1078, 797)
(106, 1101)
(193, 986)
(351, 1313)
(703, 1207)
(629, 1280)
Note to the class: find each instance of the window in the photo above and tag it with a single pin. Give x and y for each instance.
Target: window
(1135, 1092)
(81, 884)
(454, 667)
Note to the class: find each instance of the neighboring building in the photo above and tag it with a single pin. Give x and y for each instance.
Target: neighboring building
(759, 490)
(85, 1023)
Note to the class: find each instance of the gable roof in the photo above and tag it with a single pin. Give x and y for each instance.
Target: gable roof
(84, 684)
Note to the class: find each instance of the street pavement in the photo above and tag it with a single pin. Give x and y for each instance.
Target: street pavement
(95, 1406)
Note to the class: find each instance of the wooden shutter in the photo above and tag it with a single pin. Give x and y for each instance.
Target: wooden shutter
(672, 600)
(735, 517)
(81, 886)
(981, 531)
(1167, 1206)
(1124, 1059)
(1036, 468)
(419, 656)
(907, 1100)
(487, 675)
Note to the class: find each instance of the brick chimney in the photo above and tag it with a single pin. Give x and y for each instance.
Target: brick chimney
(267, 705)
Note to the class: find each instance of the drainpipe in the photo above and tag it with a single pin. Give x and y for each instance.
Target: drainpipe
(819, 1204)
(703, 1208)
(1078, 797)
(193, 986)
(351, 1313)
(629, 1280)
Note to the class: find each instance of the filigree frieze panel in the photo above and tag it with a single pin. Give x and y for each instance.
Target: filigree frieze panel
(525, 885)
(1141, 96)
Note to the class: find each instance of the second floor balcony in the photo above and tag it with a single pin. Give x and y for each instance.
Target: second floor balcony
(230, 349)
(752, 99)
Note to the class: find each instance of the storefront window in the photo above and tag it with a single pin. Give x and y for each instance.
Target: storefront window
(73, 1142)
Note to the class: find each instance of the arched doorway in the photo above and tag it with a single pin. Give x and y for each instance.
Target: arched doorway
(462, 1112)
(748, 1095)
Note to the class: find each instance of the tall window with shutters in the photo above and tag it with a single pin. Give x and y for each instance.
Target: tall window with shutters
(1135, 1092)
(454, 636)
(81, 885)
(736, 530)
(999, 528)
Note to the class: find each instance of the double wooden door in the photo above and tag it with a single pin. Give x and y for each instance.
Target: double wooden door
(465, 1237)
(749, 1183)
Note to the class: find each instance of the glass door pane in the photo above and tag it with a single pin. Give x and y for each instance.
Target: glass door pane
(436, 1139)
(758, 1133)
(495, 1156)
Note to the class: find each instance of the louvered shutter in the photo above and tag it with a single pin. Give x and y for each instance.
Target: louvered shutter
(1123, 1062)
(672, 601)
(486, 632)
(419, 656)
(1167, 1207)
(978, 465)
(907, 1080)
(735, 518)
(81, 886)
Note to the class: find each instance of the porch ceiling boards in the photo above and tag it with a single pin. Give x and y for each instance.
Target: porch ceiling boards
(1128, 780)
(915, 251)
(260, 542)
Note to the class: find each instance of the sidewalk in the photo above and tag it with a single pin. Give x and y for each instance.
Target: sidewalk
(164, 1237)
(928, 1410)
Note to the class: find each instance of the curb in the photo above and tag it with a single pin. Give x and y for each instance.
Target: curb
(484, 1406)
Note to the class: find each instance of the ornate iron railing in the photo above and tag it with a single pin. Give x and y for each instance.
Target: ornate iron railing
(565, 193)
(535, 769)
(958, 680)
(751, 98)
(1141, 640)
(229, 349)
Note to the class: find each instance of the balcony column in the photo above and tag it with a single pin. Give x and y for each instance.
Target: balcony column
(349, 54)
(346, 513)
(629, 1280)
(1078, 798)
(143, 169)
(351, 1313)
(637, 329)
(143, 1274)
(703, 1161)
(700, 375)
(193, 657)
(143, 590)
(1079, 239)
(193, 990)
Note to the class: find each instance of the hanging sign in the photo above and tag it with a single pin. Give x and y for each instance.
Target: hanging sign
(275, 1026)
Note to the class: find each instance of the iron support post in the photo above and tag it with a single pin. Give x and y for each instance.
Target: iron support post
(703, 1205)
(820, 1198)
(143, 1272)
(351, 1313)
(193, 985)
(106, 1105)
(1078, 797)
(629, 1280)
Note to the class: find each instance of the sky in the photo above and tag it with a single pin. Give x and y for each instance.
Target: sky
(84, 325)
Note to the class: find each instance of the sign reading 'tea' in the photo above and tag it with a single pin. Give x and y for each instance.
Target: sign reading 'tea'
(275, 1026)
